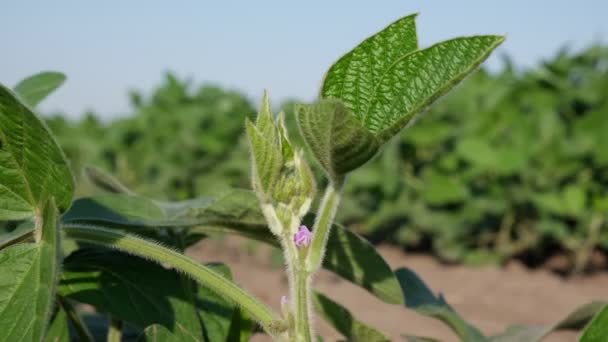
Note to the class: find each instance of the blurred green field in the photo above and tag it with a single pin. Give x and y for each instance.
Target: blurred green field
(510, 164)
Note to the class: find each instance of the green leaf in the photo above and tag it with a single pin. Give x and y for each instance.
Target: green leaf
(201, 274)
(152, 295)
(419, 297)
(35, 88)
(118, 209)
(157, 333)
(32, 166)
(356, 260)
(344, 322)
(58, 330)
(597, 330)
(28, 277)
(419, 78)
(337, 140)
(354, 75)
(384, 82)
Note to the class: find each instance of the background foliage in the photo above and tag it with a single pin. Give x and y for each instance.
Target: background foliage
(514, 164)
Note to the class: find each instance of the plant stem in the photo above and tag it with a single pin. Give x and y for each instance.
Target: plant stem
(205, 276)
(303, 328)
(81, 328)
(115, 330)
(323, 223)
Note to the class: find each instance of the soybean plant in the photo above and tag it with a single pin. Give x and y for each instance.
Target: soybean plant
(123, 254)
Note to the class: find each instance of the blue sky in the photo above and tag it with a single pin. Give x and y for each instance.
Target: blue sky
(108, 47)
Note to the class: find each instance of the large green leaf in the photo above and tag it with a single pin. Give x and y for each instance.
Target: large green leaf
(344, 321)
(32, 166)
(419, 297)
(597, 330)
(28, 277)
(35, 88)
(152, 295)
(118, 209)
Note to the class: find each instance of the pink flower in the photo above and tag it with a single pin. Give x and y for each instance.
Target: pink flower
(284, 300)
(302, 237)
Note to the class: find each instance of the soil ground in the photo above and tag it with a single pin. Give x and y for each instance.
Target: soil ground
(491, 297)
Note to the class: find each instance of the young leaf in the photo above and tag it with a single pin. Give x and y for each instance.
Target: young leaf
(384, 82)
(354, 75)
(597, 330)
(32, 166)
(266, 159)
(344, 322)
(419, 78)
(338, 141)
(419, 297)
(35, 88)
(28, 281)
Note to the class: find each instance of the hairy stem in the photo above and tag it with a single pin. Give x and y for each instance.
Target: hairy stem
(303, 326)
(323, 223)
(162, 255)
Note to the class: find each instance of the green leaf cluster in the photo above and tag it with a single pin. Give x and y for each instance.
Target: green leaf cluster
(509, 164)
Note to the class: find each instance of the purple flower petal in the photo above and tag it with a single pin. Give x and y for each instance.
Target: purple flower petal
(302, 237)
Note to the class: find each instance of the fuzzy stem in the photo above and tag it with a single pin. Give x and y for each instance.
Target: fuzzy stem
(303, 328)
(115, 330)
(164, 256)
(323, 223)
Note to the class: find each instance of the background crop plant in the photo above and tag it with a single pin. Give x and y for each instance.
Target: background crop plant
(123, 253)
